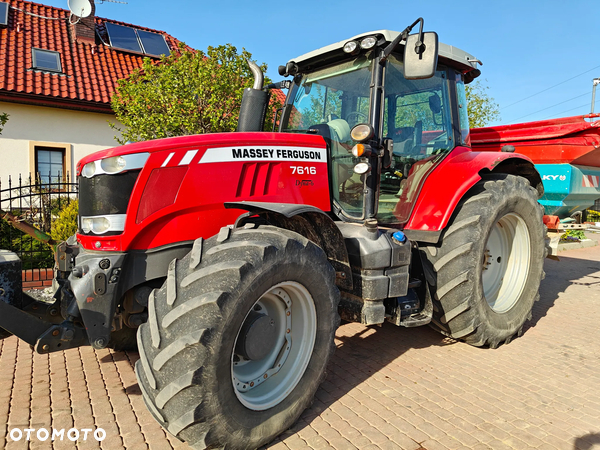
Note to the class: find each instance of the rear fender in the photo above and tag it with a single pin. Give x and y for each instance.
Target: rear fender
(522, 167)
(451, 180)
(308, 221)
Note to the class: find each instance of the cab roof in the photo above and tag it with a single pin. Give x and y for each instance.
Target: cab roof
(453, 55)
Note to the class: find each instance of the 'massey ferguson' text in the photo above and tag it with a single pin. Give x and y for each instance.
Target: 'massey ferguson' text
(271, 153)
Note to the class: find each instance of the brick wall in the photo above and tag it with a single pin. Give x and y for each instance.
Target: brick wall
(37, 278)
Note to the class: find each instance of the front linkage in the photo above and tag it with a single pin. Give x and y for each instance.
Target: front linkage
(83, 305)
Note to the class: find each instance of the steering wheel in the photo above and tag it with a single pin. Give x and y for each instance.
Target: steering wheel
(356, 117)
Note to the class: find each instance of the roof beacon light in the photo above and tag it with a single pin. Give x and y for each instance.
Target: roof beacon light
(351, 47)
(368, 42)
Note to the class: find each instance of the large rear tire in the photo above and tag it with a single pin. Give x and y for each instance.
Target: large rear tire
(485, 275)
(238, 338)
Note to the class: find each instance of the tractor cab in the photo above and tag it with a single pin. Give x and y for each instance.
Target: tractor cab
(388, 113)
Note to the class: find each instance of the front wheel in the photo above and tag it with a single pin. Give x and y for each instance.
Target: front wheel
(238, 338)
(485, 275)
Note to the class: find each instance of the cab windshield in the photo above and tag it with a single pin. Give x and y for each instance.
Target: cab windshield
(416, 116)
(331, 101)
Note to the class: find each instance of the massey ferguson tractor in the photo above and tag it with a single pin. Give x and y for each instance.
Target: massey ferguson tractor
(234, 255)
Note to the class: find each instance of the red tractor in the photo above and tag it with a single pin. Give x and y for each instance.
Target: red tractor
(234, 255)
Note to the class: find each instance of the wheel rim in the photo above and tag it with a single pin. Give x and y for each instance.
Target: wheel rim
(506, 262)
(290, 329)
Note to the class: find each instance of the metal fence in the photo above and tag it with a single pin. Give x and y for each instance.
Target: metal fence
(38, 203)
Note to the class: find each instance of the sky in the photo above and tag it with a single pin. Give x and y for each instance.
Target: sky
(539, 57)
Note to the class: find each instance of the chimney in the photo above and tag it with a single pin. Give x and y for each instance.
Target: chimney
(85, 28)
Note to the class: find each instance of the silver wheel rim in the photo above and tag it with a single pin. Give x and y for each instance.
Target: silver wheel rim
(264, 383)
(506, 263)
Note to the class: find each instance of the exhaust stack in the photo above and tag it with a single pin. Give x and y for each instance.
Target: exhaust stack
(254, 103)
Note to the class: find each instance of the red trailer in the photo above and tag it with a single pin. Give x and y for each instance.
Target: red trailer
(566, 153)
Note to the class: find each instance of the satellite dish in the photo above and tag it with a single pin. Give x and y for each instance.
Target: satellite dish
(80, 8)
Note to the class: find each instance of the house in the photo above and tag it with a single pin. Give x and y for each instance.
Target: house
(57, 73)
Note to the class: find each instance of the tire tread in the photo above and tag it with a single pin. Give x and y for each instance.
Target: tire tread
(450, 265)
(190, 309)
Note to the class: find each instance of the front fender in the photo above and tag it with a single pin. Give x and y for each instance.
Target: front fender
(450, 181)
(308, 221)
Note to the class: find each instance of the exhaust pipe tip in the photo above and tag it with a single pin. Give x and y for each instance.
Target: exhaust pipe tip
(259, 78)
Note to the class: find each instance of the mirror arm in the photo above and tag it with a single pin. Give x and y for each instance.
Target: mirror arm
(419, 46)
(402, 37)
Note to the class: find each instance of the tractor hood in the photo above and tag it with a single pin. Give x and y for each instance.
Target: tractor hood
(150, 194)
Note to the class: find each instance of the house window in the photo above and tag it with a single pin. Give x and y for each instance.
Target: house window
(3, 14)
(50, 162)
(46, 60)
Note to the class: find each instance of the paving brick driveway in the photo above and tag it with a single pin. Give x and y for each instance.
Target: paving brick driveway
(386, 388)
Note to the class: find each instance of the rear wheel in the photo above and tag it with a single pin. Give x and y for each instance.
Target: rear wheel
(485, 276)
(238, 338)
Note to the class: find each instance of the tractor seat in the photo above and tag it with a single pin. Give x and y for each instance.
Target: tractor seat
(341, 130)
(403, 140)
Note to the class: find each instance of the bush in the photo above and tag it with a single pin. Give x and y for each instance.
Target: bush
(65, 224)
(573, 235)
(593, 216)
(4, 235)
(33, 253)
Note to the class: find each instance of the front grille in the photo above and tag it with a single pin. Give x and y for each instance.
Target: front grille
(104, 195)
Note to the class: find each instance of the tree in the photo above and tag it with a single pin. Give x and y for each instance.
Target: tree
(3, 120)
(481, 107)
(188, 92)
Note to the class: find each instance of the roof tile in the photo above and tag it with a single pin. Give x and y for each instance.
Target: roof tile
(90, 71)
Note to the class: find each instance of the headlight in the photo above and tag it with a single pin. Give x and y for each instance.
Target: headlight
(103, 224)
(86, 224)
(368, 42)
(362, 167)
(89, 170)
(351, 47)
(113, 165)
(362, 132)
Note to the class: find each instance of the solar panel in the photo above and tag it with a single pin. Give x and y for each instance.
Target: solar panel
(122, 37)
(46, 60)
(3, 13)
(153, 43)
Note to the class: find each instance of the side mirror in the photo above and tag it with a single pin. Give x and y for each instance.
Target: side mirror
(420, 58)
